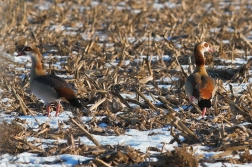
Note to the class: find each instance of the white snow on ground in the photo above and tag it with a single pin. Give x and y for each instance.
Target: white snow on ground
(137, 139)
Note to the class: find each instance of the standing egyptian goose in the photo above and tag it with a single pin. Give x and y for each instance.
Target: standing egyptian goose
(200, 87)
(49, 88)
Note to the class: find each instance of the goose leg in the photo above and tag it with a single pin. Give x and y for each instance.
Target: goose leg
(203, 112)
(48, 110)
(57, 109)
(193, 99)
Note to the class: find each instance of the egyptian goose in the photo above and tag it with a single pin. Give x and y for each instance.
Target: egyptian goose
(49, 88)
(200, 87)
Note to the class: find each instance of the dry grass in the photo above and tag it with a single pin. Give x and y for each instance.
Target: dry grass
(11, 136)
(103, 38)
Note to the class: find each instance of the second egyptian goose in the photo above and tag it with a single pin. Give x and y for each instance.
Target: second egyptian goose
(49, 88)
(199, 86)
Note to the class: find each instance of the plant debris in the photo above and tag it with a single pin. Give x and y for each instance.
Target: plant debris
(137, 49)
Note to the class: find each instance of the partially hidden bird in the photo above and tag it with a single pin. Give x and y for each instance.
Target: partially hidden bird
(199, 86)
(49, 88)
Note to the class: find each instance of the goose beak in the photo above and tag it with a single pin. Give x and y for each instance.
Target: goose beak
(22, 53)
(210, 50)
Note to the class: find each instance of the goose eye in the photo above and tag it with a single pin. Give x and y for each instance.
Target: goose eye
(27, 49)
(206, 45)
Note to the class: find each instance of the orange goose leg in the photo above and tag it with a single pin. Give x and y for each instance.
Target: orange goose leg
(192, 99)
(57, 109)
(48, 110)
(203, 112)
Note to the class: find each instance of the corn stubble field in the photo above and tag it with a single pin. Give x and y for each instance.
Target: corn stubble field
(108, 46)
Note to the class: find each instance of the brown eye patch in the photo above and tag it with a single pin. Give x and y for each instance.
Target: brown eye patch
(206, 44)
